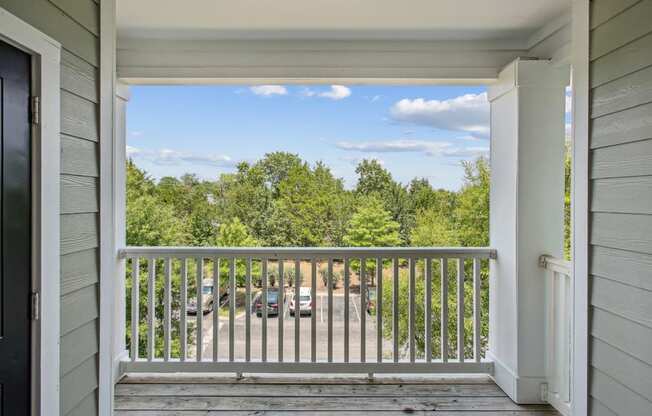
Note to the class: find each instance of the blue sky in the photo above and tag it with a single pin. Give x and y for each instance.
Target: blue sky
(414, 131)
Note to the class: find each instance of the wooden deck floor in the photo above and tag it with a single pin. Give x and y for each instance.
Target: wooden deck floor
(165, 395)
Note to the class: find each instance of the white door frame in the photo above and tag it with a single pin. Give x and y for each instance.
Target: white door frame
(45, 54)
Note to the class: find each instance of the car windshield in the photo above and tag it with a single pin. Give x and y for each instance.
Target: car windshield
(207, 290)
(272, 297)
(304, 298)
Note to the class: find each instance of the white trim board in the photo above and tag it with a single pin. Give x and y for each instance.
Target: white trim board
(46, 54)
(580, 206)
(108, 253)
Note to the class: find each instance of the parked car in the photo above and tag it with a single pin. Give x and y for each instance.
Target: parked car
(305, 302)
(272, 303)
(207, 299)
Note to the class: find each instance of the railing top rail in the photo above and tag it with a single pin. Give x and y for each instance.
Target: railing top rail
(310, 252)
(555, 264)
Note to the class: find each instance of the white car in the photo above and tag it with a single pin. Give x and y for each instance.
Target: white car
(305, 302)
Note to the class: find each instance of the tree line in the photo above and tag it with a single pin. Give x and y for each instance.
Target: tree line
(282, 200)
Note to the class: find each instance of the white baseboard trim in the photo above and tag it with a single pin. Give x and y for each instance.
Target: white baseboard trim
(522, 390)
(118, 368)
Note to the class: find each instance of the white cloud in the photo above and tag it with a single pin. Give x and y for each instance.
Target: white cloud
(136, 133)
(267, 90)
(337, 92)
(415, 146)
(468, 113)
(175, 157)
(355, 160)
(132, 151)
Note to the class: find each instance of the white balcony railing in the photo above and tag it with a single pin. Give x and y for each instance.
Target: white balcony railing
(417, 339)
(558, 331)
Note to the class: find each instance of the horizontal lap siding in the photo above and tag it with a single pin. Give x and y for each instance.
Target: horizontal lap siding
(75, 24)
(621, 208)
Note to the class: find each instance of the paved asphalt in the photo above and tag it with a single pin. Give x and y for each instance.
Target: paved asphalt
(355, 315)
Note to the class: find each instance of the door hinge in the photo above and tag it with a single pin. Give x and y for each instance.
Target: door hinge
(36, 110)
(36, 306)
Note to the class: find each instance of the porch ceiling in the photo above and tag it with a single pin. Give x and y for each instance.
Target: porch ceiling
(336, 19)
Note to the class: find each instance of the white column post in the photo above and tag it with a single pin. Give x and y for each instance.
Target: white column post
(119, 208)
(526, 217)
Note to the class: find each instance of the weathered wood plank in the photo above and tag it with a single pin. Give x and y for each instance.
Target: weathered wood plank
(603, 10)
(52, 21)
(627, 301)
(624, 368)
(78, 345)
(78, 308)
(79, 232)
(630, 159)
(331, 413)
(79, 117)
(622, 231)
(79, 194)
(78, 76)
(630, 337)
(84, 12)
(623, 266)
(172, 378)
(78, 383)
(79, 157)
(623, 93)
(312, 403)
(623, 127)
(631, 195)
(620, 399)
(621, 29)
(626, 60)
(298, 390)
(79, 270)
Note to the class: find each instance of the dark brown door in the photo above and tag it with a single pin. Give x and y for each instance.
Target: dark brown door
(15, 213)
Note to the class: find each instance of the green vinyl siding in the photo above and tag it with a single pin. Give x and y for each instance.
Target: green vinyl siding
(75, 24)
(620, 295)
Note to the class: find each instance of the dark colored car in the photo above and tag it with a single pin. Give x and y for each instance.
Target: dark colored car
(272, 303)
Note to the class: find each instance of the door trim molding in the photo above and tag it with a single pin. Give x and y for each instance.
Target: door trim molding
(46, 54)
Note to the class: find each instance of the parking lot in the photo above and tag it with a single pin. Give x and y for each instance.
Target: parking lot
(355, 316)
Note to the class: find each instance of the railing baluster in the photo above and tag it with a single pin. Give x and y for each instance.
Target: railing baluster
(444, 309)
(428, 308)
(263, 310)
(330, 310)
(412, 312)
(183, 326)
(476, 309)
(151, 309)
(232, 296)
(135, 306)
(346, 309)
(379, 310)
(313, 312)
(281, 302)
(216, 308)
(297, 311)
(248, 311)
(460, 310)
(395, 307)
(166, 309)
(363, 310)
(200, 307)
